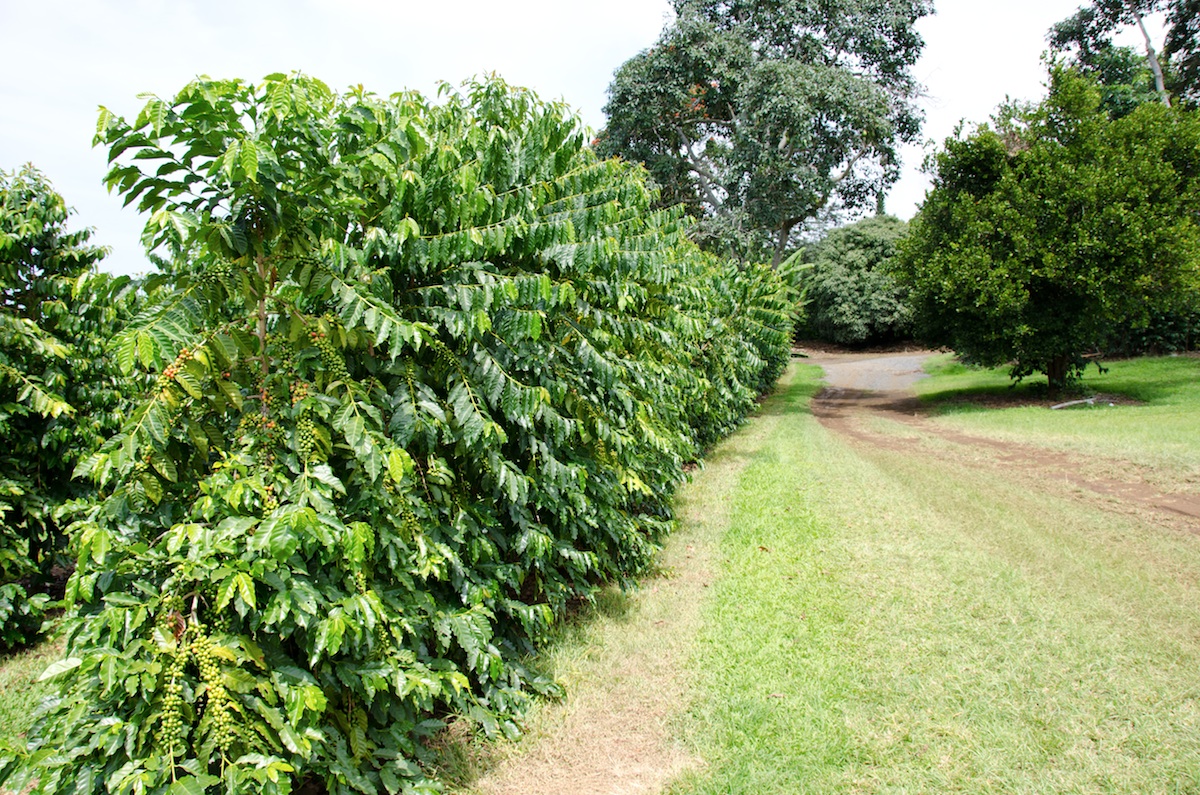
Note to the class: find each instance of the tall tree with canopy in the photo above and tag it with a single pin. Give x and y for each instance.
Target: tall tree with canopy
(1182, 47)
(1045, 231)
(759, 116)
(850, 294)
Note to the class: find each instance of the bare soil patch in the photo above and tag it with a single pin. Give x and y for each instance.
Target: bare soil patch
(873, 384)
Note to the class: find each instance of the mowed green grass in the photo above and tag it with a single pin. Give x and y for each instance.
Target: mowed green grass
(1160, 432)
(885, 622)
(20, 690)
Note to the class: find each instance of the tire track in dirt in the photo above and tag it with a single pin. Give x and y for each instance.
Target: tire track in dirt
(862, 386)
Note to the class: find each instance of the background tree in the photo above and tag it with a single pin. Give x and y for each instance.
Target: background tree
(760, 116)
(1044, 232)
(1182, 47)
(1123, 74)
(850, 294)
(59, 397)
(1087, 35)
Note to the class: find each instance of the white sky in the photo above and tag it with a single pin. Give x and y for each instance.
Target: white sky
(63, 58)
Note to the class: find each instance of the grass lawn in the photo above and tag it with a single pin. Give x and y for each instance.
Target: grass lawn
(19, 689)
(1161, 432)
(888, 622)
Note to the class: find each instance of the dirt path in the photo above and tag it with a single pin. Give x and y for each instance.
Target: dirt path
(629, 681)
(867, 387)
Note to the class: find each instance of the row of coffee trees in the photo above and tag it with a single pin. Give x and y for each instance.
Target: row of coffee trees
(414, 379)
(60, 395)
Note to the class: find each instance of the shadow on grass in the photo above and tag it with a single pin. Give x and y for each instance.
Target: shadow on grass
(1168, 380)
(1164, 379)
(459, 754)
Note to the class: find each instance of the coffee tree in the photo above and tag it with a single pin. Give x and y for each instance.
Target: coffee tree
(422, 375)
(58, 396)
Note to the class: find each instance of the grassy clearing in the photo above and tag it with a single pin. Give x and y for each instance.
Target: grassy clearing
(891, 623)
(19, 689)
(1160, 434)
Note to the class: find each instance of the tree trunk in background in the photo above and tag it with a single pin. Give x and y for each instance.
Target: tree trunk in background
(1152, 56)
(1056, 371)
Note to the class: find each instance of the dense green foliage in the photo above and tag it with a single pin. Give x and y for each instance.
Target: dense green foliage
(58, 397)
(850, 294)
(761, 116)
(425, 375)
(1171, 331)
(1042, 235)
(1182, 48)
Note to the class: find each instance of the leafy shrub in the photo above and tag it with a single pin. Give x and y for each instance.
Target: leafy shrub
(58, 396)
(424, 375)
(1041, 236)
(740, 320)
(850, 296)
(1166, 332)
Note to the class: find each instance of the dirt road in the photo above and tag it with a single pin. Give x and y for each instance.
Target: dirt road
(866, 388)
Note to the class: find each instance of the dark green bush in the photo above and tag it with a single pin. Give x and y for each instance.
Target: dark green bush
(850, 297)
(59, 397)
(1165, 332)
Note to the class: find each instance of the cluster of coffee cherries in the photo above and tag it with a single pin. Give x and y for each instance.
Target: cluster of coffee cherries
(171, 733)
(141, 466)
(444, 355)
(263, 428)
(171, 624)
(299, 391)
(385, 643)
(270, 500)
(410, 521)
(172, 369)
(306, 438)
(217, 273)
(331, 359)
(219, 706)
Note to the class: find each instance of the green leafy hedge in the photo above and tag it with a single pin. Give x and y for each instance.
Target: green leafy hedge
(425, 375)
(59, 397)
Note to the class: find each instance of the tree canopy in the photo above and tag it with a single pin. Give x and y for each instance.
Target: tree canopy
(1128, 78)
(1123, 74)
(1182, 47)
(1046, 229)
(760, 116)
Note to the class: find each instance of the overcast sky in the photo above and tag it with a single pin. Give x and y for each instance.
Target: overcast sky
(64, 58)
